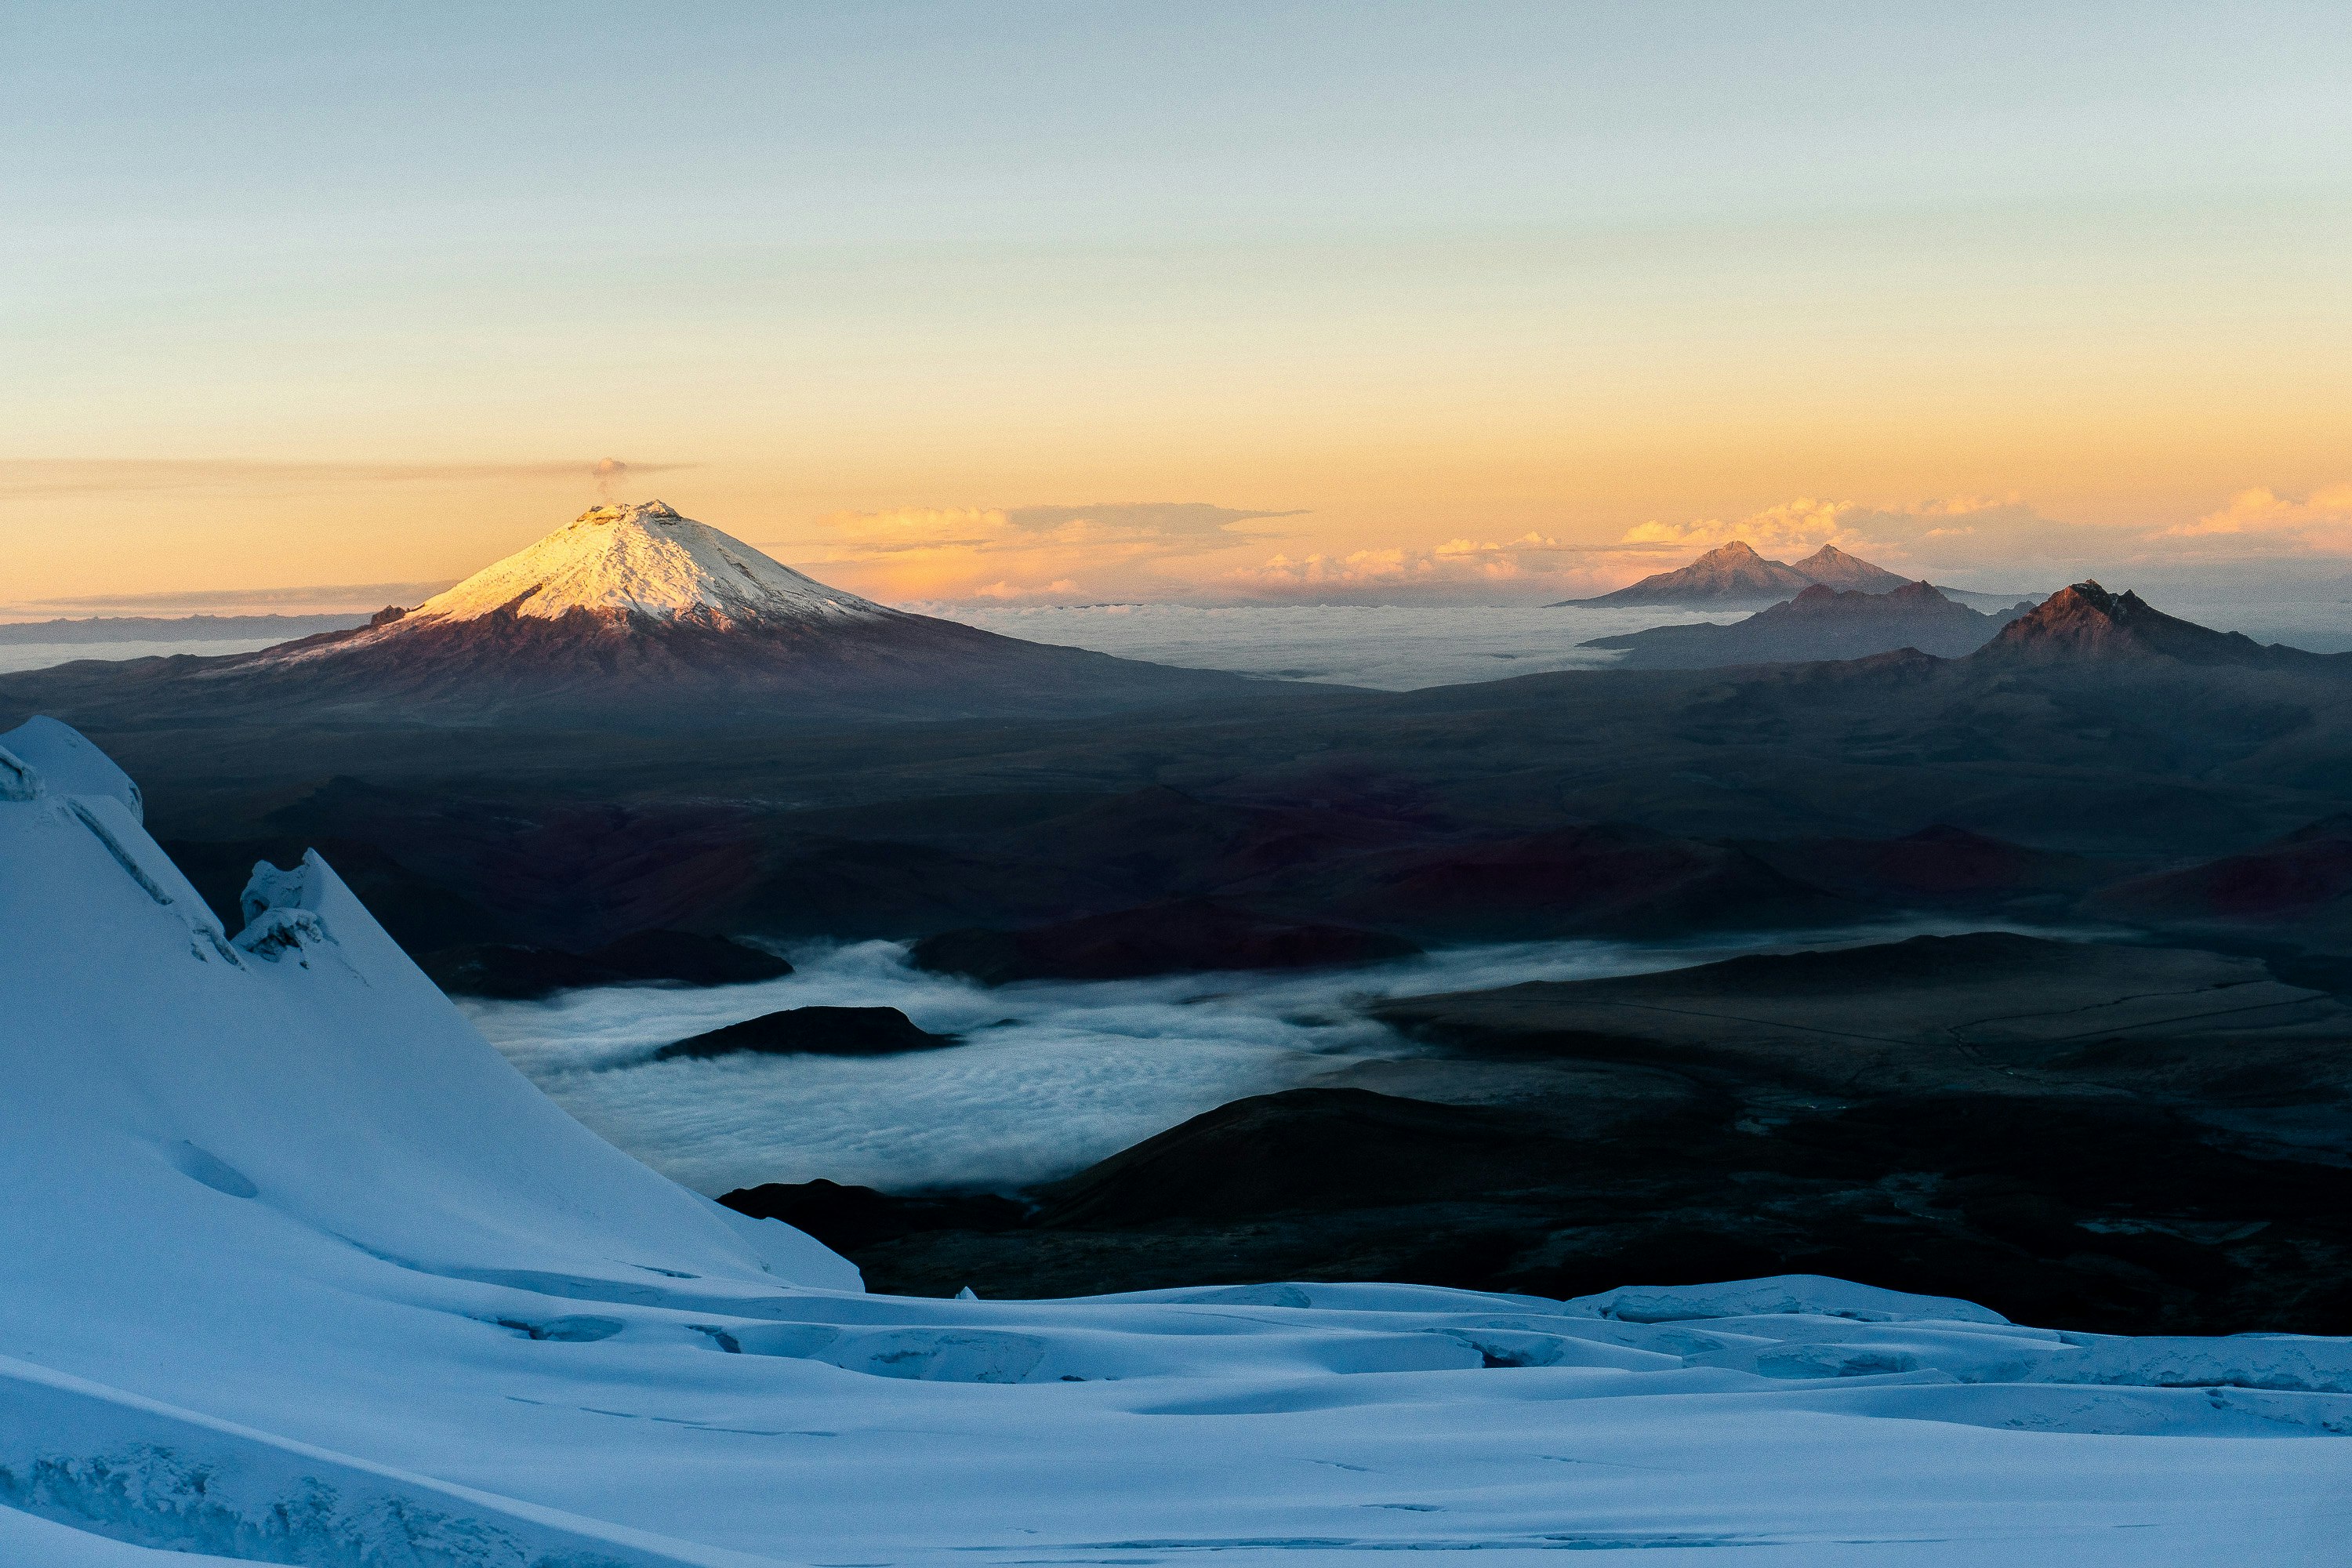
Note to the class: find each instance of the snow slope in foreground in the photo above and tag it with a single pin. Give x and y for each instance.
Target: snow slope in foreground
(294, 1268)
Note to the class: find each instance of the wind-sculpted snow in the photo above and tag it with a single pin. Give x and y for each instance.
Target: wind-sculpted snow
(294, 1268)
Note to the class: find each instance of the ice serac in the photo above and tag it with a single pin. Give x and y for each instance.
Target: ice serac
(42, 753)
(295, 1269)
(307, 1065)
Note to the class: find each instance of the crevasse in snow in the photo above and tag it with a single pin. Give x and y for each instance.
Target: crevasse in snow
(294, 1268)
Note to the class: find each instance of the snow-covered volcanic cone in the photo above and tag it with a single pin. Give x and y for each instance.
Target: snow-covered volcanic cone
(646, 561)
(632, 616)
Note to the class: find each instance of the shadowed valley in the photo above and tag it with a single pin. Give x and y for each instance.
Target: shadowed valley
(2144, 1129)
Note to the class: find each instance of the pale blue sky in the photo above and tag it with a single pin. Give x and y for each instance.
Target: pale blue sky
(1412, 268)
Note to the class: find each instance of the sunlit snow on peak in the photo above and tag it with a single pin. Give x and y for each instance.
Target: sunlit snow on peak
(641, 560)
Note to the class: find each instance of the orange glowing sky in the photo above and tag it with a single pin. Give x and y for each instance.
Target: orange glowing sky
(1054, 303)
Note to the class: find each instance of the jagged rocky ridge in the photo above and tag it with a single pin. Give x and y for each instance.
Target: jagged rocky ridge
(2087, 622)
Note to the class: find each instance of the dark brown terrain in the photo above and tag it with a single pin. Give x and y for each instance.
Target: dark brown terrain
(1187, 936)
(2023, 780)
(521, 673)
(2096, 1136)
(2145, 1132)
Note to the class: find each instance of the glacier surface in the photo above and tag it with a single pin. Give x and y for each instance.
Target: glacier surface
(296, 1268)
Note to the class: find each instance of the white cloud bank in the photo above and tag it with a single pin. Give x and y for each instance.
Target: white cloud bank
(1991, 543)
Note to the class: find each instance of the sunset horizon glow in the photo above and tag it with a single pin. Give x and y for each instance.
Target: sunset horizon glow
(1038, 304)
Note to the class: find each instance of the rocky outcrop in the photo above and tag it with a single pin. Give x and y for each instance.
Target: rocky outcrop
(813, 1031)
(2087, 622)
(861, 1216)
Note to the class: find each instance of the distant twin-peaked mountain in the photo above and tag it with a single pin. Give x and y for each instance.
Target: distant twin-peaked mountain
(1734, 576)
(2083, 623)
(628, 617)
(1822, 623)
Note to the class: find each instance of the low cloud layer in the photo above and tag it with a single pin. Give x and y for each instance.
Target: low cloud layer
(1993, 543)
(1463, 570)
(320, 598)
(1186, 552)
(1030, 553)
(1052, 1076)
(2318, 523)
(2260, 540)
(1395, 647)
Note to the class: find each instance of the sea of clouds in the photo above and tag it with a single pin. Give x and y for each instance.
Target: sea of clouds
(15, 657)
(1400, 648)
(1395, 647)
(1051, 1076)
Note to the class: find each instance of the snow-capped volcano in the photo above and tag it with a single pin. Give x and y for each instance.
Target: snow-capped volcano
(630, 618)
(642, 560)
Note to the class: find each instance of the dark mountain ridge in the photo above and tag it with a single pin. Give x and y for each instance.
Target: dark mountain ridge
(1820, 622)
(1630, 803)
(2085, 622)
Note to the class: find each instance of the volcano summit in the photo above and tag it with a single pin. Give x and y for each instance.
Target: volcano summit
(644, 561)
(632, 617)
